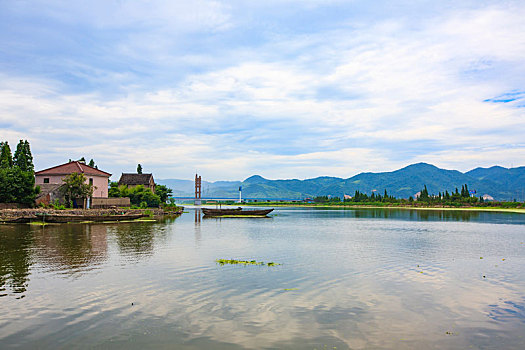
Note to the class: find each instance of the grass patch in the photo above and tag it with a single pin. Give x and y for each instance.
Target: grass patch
(38, 223)
(244, 262)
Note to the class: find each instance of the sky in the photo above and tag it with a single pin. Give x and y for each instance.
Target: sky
(283, 89)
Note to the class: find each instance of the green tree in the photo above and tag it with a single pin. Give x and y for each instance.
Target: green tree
(8, 186)
(17, 177)
(139, 169)
(113, 190)
(467, 193)
(22, 157)
(137, 195)
(92, 163)
(76, 187)
(423, 196)
(163, 192)
(6, 158)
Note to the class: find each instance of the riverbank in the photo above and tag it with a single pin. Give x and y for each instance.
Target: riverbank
(35, 214)
(404, 207)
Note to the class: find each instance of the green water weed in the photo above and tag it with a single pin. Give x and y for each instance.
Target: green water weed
(243, 262)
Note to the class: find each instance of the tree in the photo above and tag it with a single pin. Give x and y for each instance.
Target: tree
(22, 157)
(137, 195)
(139, 169)
(17, 177)
(76, 188)
(163, 192)
(6, 158)
(467, 193)
(8, 186)
(423, 196)
(113, 190)
(92, 163)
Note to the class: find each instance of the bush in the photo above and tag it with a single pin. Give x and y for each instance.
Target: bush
(137, 195)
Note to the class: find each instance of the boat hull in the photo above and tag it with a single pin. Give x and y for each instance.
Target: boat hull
(60, 219)
(235, 212)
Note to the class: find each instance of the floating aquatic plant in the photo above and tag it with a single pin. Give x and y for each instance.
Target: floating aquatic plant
(243, 262)
(38, 223)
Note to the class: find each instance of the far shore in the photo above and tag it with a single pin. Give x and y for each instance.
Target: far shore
(403, 207)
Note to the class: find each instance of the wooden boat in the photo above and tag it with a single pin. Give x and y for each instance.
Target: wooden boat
(64, 218)
(16, 220)
(235, 212)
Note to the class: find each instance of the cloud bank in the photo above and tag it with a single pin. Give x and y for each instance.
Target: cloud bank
(284, 89)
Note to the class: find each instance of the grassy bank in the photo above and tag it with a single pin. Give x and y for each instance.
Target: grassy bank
(508, 208)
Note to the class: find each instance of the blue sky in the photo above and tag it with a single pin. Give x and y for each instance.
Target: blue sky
(284, 89)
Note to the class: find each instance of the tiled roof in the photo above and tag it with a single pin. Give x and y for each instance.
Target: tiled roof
(135, 179)
(72, 167)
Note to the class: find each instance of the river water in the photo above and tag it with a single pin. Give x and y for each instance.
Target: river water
(348, 279)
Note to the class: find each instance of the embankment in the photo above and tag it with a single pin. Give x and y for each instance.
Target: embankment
(27, 215)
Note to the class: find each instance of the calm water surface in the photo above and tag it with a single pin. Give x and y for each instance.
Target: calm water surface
(352, 279)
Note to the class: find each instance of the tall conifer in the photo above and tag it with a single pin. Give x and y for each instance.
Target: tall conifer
(29, 157)
(6, 158)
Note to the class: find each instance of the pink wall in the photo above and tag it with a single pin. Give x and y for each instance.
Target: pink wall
(100, 182)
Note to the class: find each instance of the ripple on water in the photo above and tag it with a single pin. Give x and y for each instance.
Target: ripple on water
(347, 279)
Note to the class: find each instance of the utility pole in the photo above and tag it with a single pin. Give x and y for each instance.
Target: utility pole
(240, 194)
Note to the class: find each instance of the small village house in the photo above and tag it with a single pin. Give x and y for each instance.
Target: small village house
(133, 180)
(51, 180)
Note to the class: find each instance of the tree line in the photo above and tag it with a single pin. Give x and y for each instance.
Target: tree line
(451, 198)
(17, 174)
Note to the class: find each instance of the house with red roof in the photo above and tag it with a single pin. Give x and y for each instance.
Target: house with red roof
(52, 177)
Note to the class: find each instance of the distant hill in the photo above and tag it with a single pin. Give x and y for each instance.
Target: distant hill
(501, 183)
(513, 179)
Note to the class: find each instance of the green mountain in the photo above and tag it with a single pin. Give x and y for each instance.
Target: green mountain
(513, 179)
(500, 183)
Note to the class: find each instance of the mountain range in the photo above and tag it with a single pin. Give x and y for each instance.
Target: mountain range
(498, 182)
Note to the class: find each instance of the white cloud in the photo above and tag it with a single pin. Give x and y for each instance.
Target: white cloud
(336, 102)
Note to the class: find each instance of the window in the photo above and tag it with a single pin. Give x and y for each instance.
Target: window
(91, 181)
(46, 180)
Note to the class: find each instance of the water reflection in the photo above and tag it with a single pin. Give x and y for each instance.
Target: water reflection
(15, 259)
(135, 241)
(412, 214)
(65, 249)
(416, 214)
(348, 279)
(197, 226)
(71, 249)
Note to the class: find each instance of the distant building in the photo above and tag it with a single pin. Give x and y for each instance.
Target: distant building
(347, 196)
(48, 179)
(133, 180)
(417, 195)
(487, 197)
